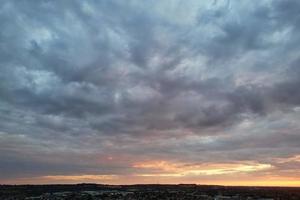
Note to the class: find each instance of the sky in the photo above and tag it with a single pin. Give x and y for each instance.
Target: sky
(171, 91)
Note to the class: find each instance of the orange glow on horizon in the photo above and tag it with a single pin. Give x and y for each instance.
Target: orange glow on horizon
(183, 169)
(163, 179)
(248, 173)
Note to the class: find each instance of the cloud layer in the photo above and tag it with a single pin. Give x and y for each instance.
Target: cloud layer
(101, 88)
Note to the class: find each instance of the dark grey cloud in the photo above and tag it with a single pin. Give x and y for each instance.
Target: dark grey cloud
(107, 76)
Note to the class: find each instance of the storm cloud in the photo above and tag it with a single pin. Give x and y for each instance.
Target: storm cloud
(99, 87)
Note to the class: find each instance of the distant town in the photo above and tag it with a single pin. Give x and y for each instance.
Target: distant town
(145, 192)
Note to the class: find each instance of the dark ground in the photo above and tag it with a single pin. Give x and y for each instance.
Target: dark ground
(183, 191)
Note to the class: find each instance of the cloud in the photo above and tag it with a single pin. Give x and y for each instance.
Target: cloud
(139, 81)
